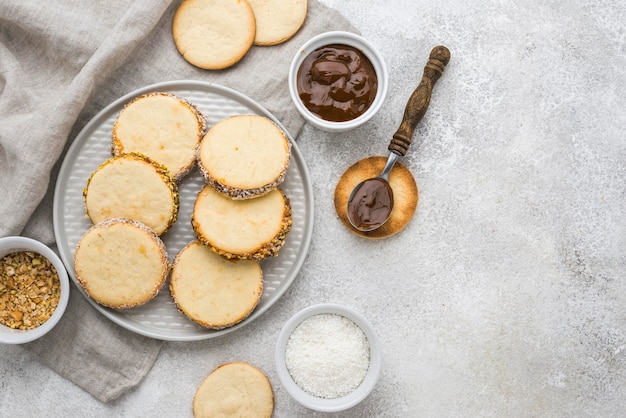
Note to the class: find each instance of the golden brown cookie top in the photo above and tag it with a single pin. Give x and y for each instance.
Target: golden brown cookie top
(213, 291)
(121, 263)
(234, 389)
(277, 20)
(244, 156)
(213, 34)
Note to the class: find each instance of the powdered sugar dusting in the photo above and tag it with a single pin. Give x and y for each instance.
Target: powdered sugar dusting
(327, 355)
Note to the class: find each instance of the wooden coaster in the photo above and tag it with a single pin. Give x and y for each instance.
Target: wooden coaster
(405, 195)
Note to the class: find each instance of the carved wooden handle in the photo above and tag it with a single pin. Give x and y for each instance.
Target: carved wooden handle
(420, 99)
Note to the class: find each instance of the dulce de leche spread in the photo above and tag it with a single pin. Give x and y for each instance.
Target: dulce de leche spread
(371, 204)
(337, 82)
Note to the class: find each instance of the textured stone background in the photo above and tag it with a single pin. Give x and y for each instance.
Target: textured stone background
(506, 294)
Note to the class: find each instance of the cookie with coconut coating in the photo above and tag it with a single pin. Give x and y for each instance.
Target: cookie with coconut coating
(121, 263)
(244, 156)
(212, 291)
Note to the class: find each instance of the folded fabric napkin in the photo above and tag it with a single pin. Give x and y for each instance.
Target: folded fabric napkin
(60, 63)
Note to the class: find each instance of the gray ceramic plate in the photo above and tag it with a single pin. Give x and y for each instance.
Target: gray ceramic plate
(159, 318)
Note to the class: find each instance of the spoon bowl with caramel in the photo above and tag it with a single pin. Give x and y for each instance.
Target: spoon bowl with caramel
(370, 203)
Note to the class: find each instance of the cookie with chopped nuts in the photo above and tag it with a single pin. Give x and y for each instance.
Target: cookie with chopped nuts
(135, 187)
(244, 156)
(242, 229)
(164, 127)
(235, 389)
(121, 263)
(212, 291)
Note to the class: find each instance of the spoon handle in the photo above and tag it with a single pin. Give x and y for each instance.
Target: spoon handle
(420, 99)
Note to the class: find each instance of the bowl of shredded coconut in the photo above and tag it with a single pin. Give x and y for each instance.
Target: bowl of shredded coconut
(328, 357)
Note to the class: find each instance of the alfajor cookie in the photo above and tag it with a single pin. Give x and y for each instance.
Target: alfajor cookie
(244, 156)
(135, 187)
(234, 389)
(242, 229)
(212, 291)
(277, 20)
(162, 126)
(213, 34)
(121, 263)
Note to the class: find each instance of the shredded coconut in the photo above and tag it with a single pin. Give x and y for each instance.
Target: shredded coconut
(327, 355)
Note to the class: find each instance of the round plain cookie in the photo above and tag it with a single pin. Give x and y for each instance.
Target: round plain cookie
(212, 291)
(235, 389)
(277, 20)
(162, 126)
(135, 187)
(242, 229)
(121, 263)
(244, 156)
(213, 34)
(405, 195)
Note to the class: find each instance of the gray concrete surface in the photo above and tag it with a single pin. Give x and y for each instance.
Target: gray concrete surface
(506, 294)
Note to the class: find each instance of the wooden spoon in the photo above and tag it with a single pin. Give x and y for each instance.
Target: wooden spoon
(370, 203)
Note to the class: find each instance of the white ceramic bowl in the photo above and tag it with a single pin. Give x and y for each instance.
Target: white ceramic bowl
(322, 404)
(14, 244)
(343, 38)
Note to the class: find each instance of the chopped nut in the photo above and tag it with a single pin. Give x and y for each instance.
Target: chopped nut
(29, 290)
(17, 315)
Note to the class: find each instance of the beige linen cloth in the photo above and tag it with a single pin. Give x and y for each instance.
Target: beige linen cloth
(60, 63)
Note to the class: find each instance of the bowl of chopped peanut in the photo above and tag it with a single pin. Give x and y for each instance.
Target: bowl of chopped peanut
(34, 289)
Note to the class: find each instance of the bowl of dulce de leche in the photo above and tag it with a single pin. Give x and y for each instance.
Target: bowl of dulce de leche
(338, 81)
